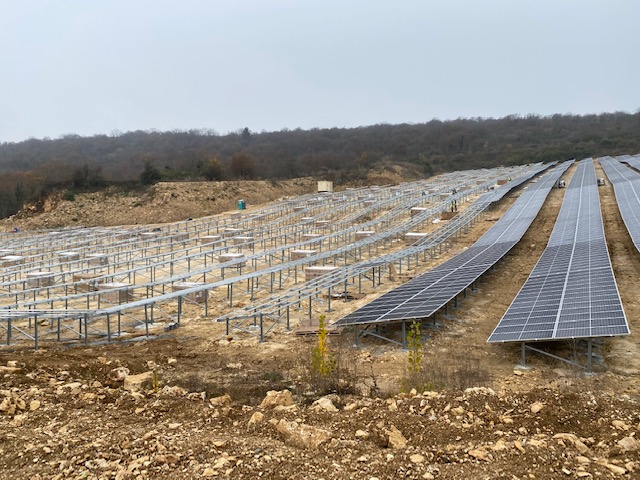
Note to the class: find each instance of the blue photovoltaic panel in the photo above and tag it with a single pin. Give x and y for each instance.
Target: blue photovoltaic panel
(429, 292)
(571, 292)
(626, 184)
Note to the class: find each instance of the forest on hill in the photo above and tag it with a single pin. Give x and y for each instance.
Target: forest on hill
(32, 168)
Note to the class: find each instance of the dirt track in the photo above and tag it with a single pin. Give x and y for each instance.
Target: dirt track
(65, 414)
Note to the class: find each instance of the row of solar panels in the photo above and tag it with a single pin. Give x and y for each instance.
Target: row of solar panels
(626, 184)
(571, 292)
(429, 292)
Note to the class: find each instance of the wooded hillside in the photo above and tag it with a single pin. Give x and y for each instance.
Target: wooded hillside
(31, 168)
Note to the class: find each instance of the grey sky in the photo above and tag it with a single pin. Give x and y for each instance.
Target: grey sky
(94, 66)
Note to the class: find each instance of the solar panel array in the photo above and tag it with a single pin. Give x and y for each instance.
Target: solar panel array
(626, 184)
(634, 161)
(571, 292)
(426, 294)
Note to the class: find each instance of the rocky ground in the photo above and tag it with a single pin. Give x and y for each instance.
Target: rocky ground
(89, 419)
(194, 403)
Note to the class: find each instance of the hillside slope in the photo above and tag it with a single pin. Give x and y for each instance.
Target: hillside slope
(172, 201)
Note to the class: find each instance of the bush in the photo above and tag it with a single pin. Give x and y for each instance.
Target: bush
(69, 196)
(456, 372)
(334, 367)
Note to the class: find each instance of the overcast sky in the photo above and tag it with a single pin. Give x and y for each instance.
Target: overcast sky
(95, 66)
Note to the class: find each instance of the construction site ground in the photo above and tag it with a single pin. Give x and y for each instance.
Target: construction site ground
(191, 402)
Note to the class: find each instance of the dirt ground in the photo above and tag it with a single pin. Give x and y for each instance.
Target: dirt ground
(197, 409)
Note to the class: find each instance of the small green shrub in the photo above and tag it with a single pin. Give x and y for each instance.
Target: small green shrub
(414, 344)
(322, 360)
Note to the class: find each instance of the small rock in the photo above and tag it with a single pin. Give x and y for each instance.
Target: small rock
(536, 407)
(620, 425)
(479, 391)
(396, 439)
(221, 401)
(580, 446)
(362, 434)
(499, 446)
(457, 411)
(34, 405)
(628, 444)
(136, 383)
(325, 404)
(616, 469)
(256, 419)
(301, 435)
(221, 463)
(19, 420)
(174, 391)
(480, 454)
(171, 361)
(118, 374)
(170, 458)
(7, 406)
(417, 458)
(277, 398)
(285, 409)
(4, 369)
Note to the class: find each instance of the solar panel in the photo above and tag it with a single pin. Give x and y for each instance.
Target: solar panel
(429, 292)
(626, 184)
(633, 161)
(571, 292)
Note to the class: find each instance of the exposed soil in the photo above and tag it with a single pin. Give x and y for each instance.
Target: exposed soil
(65, 412)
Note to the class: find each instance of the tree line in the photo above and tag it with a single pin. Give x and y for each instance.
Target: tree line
(32, 168)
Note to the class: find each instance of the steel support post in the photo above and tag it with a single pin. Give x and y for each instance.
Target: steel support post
(261, 329)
